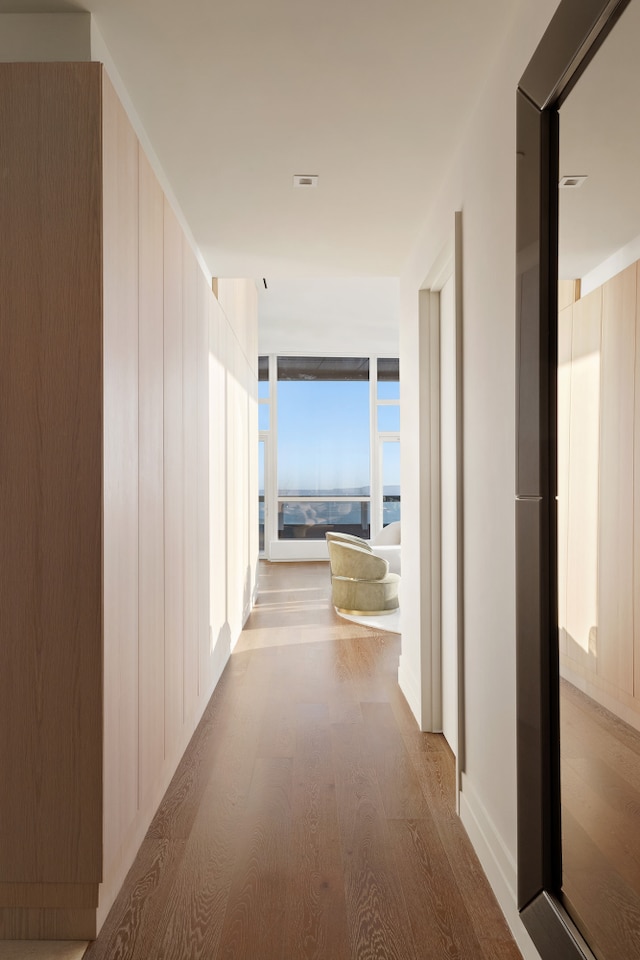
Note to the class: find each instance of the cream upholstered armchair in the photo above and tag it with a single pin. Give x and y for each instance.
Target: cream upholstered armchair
(385, 545)
(360, 582)
(348, 538)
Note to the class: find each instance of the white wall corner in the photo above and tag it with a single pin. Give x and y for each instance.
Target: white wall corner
(497, 862)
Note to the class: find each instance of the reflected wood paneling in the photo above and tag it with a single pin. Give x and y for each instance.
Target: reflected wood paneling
(305, 837)
(565, 334)
(582, 549)
(615, 522)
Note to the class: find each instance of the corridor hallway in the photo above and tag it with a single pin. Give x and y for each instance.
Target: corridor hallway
(309, 818)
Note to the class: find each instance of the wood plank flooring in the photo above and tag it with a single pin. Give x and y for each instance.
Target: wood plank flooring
(600, 767)
(309, 818)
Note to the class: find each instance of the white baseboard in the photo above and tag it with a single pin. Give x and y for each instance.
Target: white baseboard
(410, 689)
(497, 863)
(296, 550)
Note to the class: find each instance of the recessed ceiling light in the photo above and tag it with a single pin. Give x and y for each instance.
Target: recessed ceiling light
(305, 180)
(575, 181)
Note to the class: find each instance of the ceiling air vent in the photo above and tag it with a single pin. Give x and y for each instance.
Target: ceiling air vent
(572, 182)
(305, 180)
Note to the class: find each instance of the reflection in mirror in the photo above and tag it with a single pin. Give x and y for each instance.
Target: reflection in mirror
(599, 495)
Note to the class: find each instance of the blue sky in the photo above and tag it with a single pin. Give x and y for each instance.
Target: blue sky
(323, 435)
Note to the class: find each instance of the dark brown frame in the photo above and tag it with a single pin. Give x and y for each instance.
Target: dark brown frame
(575, 33)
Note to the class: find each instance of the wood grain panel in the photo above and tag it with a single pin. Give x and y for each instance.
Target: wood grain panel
(49, 895)
(568, 293)
(217, 478)
(565, 329)
(238, 485)
(206, 665)
(190, 272)
(582, 550)
(233, 459)
(120, 337)
(615, 526)
(173, 483)
(151, 478)
(50, 475)
(47, 924)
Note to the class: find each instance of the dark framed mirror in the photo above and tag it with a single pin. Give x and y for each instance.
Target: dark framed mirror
(573, 38)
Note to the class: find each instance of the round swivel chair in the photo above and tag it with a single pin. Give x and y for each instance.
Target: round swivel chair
(361, 584)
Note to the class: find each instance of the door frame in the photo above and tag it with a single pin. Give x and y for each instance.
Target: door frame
(575, 33)
(447, 265)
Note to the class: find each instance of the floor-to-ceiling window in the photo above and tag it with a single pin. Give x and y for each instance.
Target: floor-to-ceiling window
(388, 434)
(264, 424)
(330, 433)
(323, 464)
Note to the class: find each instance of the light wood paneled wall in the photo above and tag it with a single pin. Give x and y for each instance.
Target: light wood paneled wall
(218, 518)
(582, 514)
(173, 482)
(206, 678)
(50, 487)
(615, 515)
(151, 651)
(190, 475)
(565, 334)
(120, 509)
(598, 502)
(122, 381)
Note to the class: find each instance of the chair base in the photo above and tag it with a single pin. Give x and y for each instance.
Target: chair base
(366, 613)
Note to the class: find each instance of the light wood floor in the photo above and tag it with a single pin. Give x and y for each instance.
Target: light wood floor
(601, 825)
(309, 817)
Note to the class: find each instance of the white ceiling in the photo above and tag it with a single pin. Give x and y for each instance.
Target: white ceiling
(237, 97)
(600, 137)
(370, 95)
(343, 315)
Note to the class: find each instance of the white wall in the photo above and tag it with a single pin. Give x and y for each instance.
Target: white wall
(449, 515)
(481, 183)
(233, 460)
